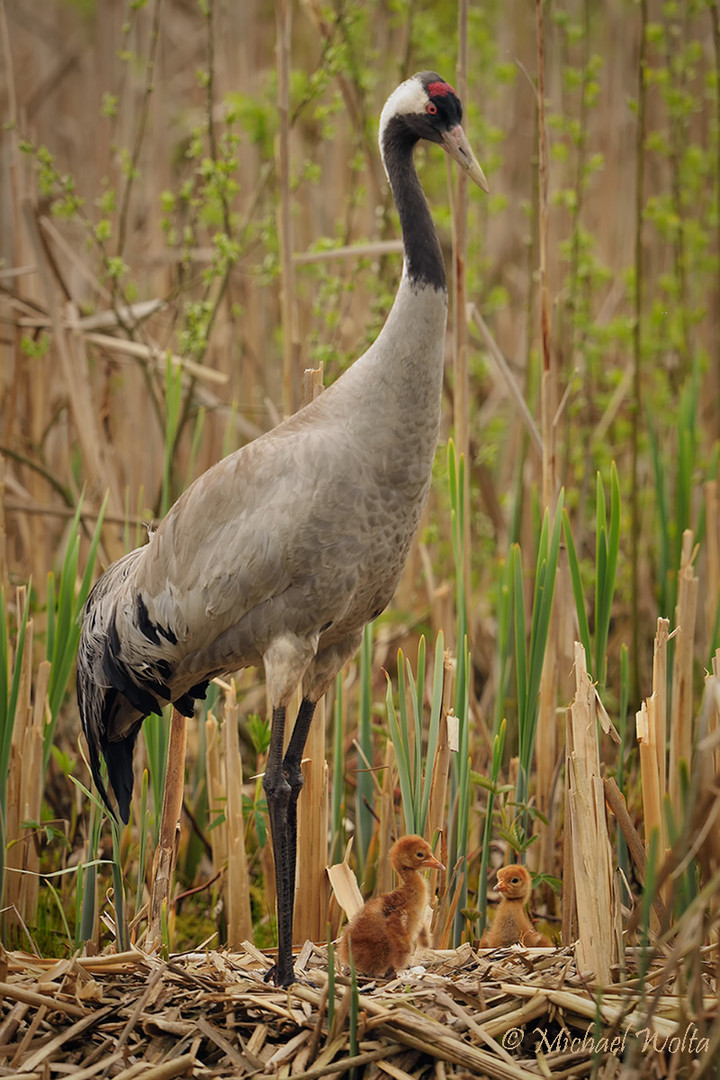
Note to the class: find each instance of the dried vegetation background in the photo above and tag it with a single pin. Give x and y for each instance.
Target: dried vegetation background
(192, 213)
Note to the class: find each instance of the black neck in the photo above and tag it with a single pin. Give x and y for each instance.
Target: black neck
(423, 256)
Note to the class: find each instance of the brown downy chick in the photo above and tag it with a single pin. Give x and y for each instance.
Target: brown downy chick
(511, 924)
(385, 932)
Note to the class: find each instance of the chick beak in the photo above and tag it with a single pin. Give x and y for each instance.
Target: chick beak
(432, 862)
(456, 143)
(501, 886)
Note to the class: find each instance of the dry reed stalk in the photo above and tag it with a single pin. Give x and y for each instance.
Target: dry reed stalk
(568, 900)
(166, 852)
(3, 529)
(155, 356)
(99, 470)
(712, 557)
(421, 1032)
(216, 796)
(548, 386)
(616, 804)
(25, 782)
(682, 687)
(311, 902)
(507, 375)
(662, 636)
(239, 917)
(592, 855)
(288, 301)
(364, 250)
(561, 634)
(461, 396)
(546, 741)
(714, 720)
(344, 884)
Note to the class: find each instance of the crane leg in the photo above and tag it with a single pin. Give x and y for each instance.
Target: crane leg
(292, 768)
(282, 784)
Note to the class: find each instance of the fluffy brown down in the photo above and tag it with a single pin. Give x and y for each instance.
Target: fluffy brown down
(384, 934)
(511, 925)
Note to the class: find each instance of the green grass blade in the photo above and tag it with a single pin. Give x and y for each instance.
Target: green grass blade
(519, 623)
(577, 586)
(433, 729)
(402, 756)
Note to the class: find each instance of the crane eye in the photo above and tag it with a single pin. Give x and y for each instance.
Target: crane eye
(431, 108)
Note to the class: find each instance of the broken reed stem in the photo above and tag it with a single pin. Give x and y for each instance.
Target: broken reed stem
(682, 683)
(660, 694)
(592, 855)
(166, 854)
(645, 725)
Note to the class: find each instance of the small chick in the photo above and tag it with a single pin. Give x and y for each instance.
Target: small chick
(385, 932)
(511, 924)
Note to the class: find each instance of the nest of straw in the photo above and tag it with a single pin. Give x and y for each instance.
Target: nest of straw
(512, 1014)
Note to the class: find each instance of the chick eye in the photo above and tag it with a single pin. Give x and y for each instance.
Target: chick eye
(431, 108)
(419, 854)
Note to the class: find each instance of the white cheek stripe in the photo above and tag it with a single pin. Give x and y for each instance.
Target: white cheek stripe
(409, 97)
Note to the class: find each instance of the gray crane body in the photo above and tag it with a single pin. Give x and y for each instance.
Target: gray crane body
(280, 553)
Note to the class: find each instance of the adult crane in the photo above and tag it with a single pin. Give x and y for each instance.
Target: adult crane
(280, 553)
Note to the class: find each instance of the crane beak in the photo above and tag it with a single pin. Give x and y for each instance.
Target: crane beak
(501, 886)
(433, 863)
(456, 143)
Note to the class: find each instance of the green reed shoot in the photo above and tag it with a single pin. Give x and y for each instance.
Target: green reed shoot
(87, 879)
(607, 546)
(173, 403)
(675, 476)
(415, 759)
(156, 732)
(143, 834)
(529, 656)
(63, 620)
(121, 927)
